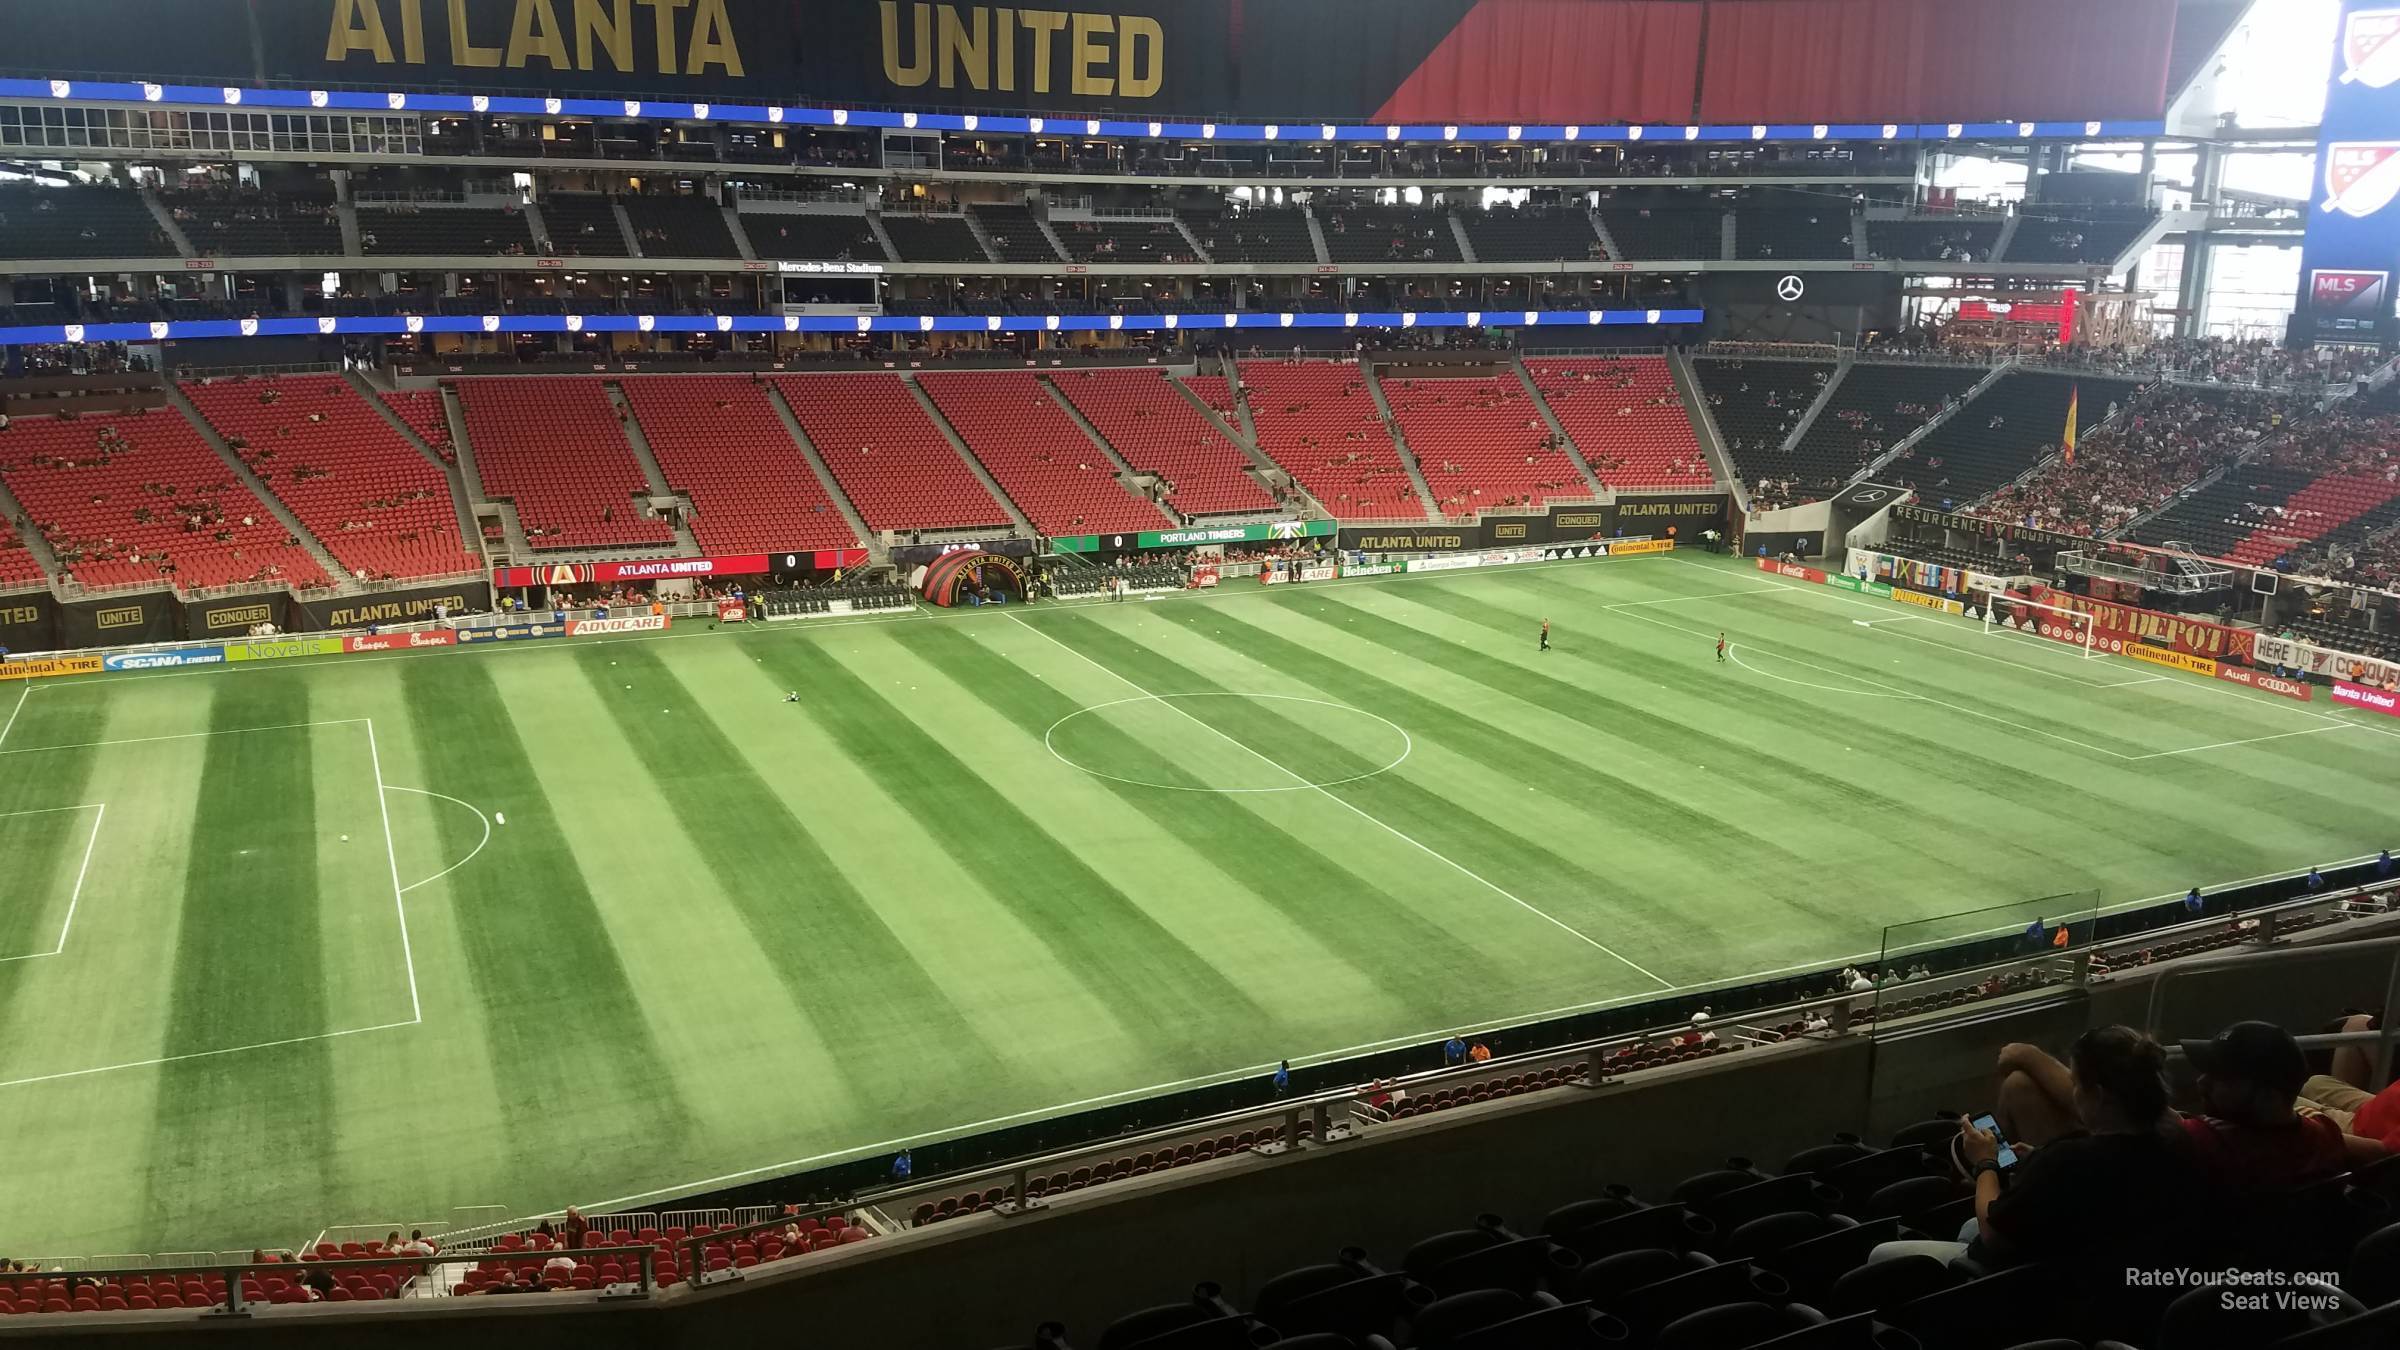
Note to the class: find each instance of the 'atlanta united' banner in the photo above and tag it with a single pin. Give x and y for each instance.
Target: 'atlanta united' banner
(2353, 243)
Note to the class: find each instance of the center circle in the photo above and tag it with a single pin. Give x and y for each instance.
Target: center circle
(1090, 740)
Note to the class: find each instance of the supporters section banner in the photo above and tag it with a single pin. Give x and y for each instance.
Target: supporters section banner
(282, 649)
(233, 618)
(212, 654)
(28, 622)
(399, 642)
(120, 620)
(2325, 661)
(2117, 626)
(2265, 683)
(409, 606)
(1582, 522)
(2350, 695)
(2024, 536)
(2167, 656)
(638, 569)
(1914, 573)
(44, 667)
(1681, 517)
(1412, 538)
(632, 623)
(2352, 246)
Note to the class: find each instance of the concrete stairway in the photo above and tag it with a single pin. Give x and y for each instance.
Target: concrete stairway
(1558, 429)
(833, 487)
(1391, 424)
(459, 500)
(974, 466)
(652, 475)
(266, 495)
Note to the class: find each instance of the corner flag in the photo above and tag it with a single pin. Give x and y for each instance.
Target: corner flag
(2074, 396)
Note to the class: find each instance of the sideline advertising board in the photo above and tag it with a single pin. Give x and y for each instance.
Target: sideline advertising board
(399, 642)
(168, 659)
(2167, 656)
(44, 667)
(1634, 548)
(633, 623)
(1262, 532)
(280, 649)
(637, 569)
(2265, 683)
(1794, 570)
(2360, 696)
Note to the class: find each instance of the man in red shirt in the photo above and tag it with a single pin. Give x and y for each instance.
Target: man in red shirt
(2365, 1115)
(2249, 1137)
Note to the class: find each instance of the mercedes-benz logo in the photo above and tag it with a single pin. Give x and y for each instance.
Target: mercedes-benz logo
(1789, 288)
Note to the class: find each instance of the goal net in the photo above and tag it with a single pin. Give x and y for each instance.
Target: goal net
(2006, 612)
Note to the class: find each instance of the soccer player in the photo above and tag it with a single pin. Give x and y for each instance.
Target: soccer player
(792, 697)
(1720, 644)
(1545, 635)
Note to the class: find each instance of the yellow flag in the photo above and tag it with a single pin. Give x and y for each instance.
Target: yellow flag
(2074, 396)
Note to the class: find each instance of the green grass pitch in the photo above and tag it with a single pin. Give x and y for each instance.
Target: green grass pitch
(998, 863)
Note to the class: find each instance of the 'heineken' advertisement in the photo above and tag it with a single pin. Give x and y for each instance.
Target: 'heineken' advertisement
(1271, 531)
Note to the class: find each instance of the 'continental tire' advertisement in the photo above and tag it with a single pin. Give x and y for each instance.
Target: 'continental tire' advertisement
(42, 668)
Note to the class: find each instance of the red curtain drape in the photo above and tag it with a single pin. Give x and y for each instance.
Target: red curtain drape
(1574, 61)
(1935, 60)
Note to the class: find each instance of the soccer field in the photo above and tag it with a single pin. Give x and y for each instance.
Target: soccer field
(274, 961)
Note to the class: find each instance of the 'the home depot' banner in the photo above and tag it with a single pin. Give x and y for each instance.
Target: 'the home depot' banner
(2197, 637)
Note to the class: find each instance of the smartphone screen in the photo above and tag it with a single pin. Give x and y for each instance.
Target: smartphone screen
(2007, 1157)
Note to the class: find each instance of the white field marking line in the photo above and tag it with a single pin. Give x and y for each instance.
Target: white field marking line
(391, 853)
(1733, 653)
(1903, 693)
(183, 736)
(22, 695)
(1686, 599)
(479, 815)
(99, 812)
(1408, 744)
(2250, 740)
(198, 1054)
(1362, 814)
(49, 810)
(1329, 1056)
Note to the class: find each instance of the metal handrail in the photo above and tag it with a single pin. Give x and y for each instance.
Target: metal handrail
(2383, 1039)
(233, 1272)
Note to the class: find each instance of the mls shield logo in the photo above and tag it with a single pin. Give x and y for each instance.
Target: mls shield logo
(925, 323)
(1408, 321)
(865, 324)
(2024, 128)
(1818, 131)
(1050, 322)
(552, 105)
(491, 323)
(1532, 317)
(841, 117)
(1891, 131)
(1574, 133)
(633, 107)
(1391, 133)
(1635, 133)
(480, 103)
(152, 93)
(2371, 47)
(1758, 131)
(316, 98)
(1116, 321)
(415, 323)
(1092, 127)
(574, 323)
(1348, 320)
(395, 101)
(1171, 324)
(1208, 131)
(972, 121)
(1156, 128)
(1955, 130)
(700, 110)
(909, 120)
(991, 324)
(646, 322)
(2361, 177)
(724, 323)
(1650, 315)
(1326, 132)
(158, 332)
(58, 88)
(1474, 318)
(325, 326)
(1449, 133)
(2091, 128)
(1034, 125)
(791, 323)
(773, 114)
(232, 95)
(249, 328)
(1516, 133)
(1592, 317)
(1232, 319)
(1284, 319)
(74, 332)
(1274, 132)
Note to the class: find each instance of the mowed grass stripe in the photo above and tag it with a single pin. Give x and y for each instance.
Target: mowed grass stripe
(1406, 960)
(559, 1023)
(28, 782)
(801, 911)
(1530, 869)
(1160, 987)
(248, 967)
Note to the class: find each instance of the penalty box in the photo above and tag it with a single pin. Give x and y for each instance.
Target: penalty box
(181, 830)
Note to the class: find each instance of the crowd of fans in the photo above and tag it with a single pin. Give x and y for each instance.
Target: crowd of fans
(2170, 436)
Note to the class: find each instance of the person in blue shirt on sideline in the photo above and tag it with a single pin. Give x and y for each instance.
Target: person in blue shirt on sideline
(1283, 1078)
(2383, 863)
(2192, 900)
(2316, 880)
(902, 1166)
(1454, 1051)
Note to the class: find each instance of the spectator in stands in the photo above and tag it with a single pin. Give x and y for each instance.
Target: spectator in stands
(574, 1228)
(2249, 1136)
(2345, 1096)
(559, 1269)
(416, 1244)
(2107, 1181)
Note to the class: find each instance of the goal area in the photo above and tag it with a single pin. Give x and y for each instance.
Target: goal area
(2005, 612)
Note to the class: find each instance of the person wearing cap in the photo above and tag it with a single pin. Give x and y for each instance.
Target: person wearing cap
(2249, 1137)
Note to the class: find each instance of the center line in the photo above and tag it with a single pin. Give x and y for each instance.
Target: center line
(1394, 831)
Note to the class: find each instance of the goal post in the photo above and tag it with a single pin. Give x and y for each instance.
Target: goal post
(2004, 612)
